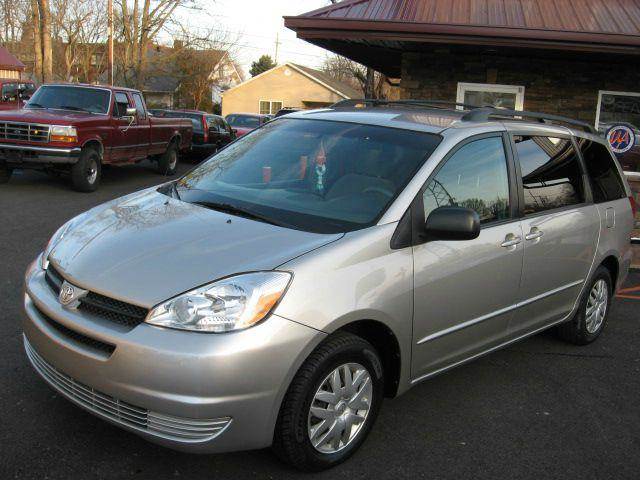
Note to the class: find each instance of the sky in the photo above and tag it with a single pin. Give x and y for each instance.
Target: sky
(256, 24)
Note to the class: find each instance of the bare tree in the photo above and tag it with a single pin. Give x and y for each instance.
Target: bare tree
(45, 34)
(37, 40)
(369, 81)
(13, 15)
(139, 23)
(79, 28)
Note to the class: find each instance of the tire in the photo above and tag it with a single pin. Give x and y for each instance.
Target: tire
(583, 329)
(296, 425)
(168, 161)
(86, 173)
(5, 174)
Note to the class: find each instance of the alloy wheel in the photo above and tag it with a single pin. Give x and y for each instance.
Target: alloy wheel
(339, 408)
(597, 306)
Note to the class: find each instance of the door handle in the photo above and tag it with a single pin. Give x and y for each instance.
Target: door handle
(511, 240)
(534, 234)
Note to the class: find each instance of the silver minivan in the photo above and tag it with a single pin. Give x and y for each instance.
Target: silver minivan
(276, 293)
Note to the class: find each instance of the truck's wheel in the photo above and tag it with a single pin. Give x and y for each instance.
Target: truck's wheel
(87, 172)
(5, 174)
(168, 161)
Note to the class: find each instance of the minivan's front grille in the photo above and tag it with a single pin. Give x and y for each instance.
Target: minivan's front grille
(112, 309)
(26, 132)
(108, 308)
(124, 413)
(77, 336)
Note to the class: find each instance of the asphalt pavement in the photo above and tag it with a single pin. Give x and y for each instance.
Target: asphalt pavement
(541, 409)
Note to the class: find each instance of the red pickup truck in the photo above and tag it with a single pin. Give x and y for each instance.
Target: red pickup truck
(76, 129)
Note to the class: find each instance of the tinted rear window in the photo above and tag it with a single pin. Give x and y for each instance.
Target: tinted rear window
(551, 173)
(196, 118)
(605, 178)
(243, 121)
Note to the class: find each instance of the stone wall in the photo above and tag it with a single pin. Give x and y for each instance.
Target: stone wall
(554, 83)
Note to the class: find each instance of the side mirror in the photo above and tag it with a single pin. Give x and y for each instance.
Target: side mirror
(131, 112)
(452, 223)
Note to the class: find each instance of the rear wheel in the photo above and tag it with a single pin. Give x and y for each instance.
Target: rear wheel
(591, 317)
(87, 172)
(331, 404)
(5, 173)
(168, 161)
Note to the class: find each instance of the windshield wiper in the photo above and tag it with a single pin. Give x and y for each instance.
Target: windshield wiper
(34, 105)
(174, 189)
(240, 212)
(74, 109)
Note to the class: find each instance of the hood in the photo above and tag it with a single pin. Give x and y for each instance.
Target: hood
(147, 247)
(38, 115)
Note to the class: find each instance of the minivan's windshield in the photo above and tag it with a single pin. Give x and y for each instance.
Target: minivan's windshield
(313, 175)
(68, 97)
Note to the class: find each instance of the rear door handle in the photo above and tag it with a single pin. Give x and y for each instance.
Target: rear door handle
(511, 240)
(534, 234)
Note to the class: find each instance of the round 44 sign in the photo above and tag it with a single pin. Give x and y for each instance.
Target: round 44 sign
(621, 138)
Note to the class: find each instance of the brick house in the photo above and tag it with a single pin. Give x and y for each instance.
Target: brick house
(579, 59)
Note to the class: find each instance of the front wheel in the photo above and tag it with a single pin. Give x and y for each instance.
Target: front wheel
(86, 173)
(5, 174)
(331, 404)
(591, 317)
(168, 161)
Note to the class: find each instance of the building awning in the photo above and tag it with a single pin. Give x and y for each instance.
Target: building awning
(9, 62)
(374, 32)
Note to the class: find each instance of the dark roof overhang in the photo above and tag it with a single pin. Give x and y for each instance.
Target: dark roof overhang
(379, 44)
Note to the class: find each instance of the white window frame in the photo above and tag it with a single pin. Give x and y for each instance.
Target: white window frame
(610, 92)
(271, 102)
(491, 88)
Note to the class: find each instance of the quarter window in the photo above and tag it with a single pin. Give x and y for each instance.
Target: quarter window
(551, 173)
(474, 177)
(605, 178)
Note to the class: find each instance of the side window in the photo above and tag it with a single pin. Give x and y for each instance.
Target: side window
(9, 92)
(215, 124)
(551, 173)
(605, 178)
(121, 105)
(142, 111)
(475, 177)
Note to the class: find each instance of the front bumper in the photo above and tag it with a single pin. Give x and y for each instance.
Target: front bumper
(197, 392)
(23, 156)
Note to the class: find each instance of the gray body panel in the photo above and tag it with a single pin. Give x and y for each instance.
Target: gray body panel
(445, 302)
(150, 247)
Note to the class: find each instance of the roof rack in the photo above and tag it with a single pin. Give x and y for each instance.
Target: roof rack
(373, 102)
(473, 112)
(484, 114)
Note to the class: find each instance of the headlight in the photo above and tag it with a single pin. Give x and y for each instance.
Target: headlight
(64, 134)
(60, 233)
(234, 303)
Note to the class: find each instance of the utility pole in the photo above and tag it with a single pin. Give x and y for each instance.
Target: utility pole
(277, 46)
(110, 41)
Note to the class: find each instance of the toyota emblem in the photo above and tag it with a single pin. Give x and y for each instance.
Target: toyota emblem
(67, 293)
